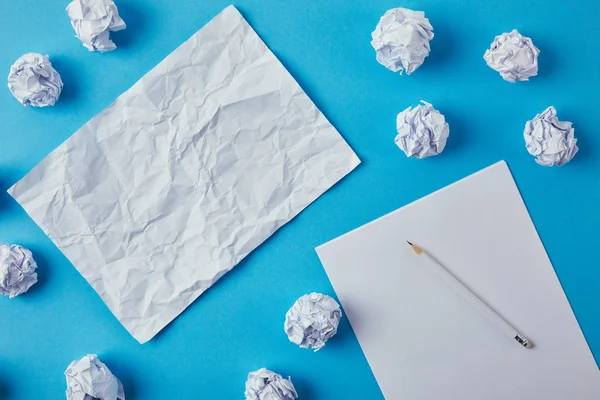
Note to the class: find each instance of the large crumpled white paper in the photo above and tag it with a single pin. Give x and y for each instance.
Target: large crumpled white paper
(89, 378)
(172, 185)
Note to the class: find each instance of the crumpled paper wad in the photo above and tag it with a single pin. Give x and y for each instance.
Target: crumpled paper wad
(17, 270)
(312, 320)
(93, 20)
(401, 39)
(34, 82)
(165, 191)
(514, 56)
(90, 379)
(267, 385)
(550, 141)
(422, 131)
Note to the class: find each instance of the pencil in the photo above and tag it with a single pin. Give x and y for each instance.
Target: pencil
(471, 297)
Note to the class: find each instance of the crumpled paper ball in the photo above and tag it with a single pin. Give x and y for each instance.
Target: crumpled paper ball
(514, 56)
(312, 320)
(401, 39)
(267, 385)
(422, 131)
(93, 20)
(550, 141)
(90, 379)
(17, 270)
(33, 81)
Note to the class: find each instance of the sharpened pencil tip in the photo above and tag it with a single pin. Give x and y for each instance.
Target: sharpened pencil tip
(415, 248)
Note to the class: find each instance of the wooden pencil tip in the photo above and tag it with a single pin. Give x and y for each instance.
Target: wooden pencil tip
(415, 248)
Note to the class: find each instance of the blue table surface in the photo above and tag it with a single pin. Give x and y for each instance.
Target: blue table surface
(237, 326)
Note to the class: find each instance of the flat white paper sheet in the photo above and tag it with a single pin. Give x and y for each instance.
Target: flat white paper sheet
(421, 339)
(186, 173)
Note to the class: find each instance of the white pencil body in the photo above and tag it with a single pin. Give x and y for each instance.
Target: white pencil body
(471, 297)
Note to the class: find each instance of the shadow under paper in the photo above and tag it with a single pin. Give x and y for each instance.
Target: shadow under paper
(460, 135)
(443, 46)
(7, 203)
(548, 61)
(6, 392)
(117, 365)
(136, 19)
(66, 68)
(585, 155)
(303, 388)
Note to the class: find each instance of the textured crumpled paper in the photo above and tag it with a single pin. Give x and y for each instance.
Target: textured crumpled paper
(401, 39)
(422, 131)
(186, 173)
(267, 385)
(550, 141)
(89, 379)
(93, 20)
(33, 81)
(312, 320)
(514, 56)
(17, 270)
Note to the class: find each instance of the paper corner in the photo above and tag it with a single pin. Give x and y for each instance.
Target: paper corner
(231, 9)
(11, 191)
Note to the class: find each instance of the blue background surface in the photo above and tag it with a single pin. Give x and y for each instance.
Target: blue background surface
(236, 327)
